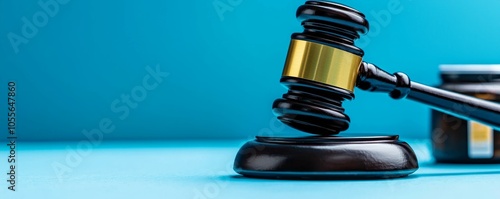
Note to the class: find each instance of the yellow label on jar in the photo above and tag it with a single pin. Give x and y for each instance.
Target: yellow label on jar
(481, 143)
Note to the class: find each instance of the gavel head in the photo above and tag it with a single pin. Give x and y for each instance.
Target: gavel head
(321, 68)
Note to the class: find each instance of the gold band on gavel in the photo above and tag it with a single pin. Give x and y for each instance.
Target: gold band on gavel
(322, 63)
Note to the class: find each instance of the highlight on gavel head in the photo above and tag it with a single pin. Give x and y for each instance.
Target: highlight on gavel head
(321, 68)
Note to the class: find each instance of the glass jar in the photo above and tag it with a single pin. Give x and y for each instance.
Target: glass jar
(455, 140)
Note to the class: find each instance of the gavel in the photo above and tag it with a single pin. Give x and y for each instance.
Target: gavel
(322, 68)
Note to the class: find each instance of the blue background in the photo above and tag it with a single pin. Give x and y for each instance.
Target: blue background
(224, 68)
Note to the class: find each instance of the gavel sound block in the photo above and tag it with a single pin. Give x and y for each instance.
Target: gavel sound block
(322, 69)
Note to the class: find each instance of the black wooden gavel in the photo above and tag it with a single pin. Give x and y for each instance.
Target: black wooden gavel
(323, 66)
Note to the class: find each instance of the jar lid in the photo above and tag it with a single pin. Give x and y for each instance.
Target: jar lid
(470, 73)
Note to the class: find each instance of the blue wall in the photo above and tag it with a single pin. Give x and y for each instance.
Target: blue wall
(223, 67)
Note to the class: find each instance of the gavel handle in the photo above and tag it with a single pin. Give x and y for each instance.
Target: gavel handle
(399, 86)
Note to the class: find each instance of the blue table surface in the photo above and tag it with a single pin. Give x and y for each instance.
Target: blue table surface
(203, 170)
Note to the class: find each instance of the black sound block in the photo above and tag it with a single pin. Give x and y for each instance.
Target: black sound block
(334, 157)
